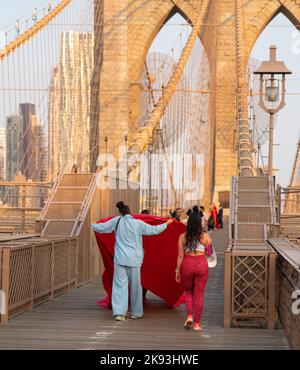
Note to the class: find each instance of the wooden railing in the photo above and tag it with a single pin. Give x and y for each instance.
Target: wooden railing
(288, 283)
(36, 271)
(21, 204)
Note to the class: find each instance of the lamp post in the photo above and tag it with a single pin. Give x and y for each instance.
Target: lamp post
(270, 92)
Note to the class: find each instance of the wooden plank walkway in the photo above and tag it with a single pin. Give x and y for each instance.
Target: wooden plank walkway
(74, 321)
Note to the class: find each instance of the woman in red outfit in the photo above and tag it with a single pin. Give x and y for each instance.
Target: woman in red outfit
(192, 269)
(214, 214)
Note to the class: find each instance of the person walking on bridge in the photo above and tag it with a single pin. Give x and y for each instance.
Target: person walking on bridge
(128, 259)
(192, 268)
(220, 216)
(214, 215)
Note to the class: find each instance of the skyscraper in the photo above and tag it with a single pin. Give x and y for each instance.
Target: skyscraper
(13, 146)
(38, 160)
(69, 122)
(26, 151)
(27, 112)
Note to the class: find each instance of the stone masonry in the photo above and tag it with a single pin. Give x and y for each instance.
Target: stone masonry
(129, 29)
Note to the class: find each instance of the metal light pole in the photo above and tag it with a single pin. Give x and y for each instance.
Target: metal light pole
(271, 145)
(270, 88)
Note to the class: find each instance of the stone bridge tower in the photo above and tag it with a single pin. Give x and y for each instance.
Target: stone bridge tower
(129, 28)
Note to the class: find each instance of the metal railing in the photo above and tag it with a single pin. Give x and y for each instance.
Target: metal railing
(290, 200)
(36, 271)
(249, 286)
(249, 271)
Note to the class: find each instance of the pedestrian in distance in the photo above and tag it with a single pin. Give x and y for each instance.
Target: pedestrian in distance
(220, 216)
(214, 214)
(204, 220)
(211, 224)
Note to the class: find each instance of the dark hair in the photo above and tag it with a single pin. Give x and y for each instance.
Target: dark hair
(123, 208)
(202, 208)
(145, 212)
(174, 214)
(193, 231)
(196, 209)
(189, 212)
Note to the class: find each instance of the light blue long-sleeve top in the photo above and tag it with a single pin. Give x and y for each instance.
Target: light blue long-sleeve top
(129, 243)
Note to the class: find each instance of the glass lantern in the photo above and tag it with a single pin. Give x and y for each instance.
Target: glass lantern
(272, 90)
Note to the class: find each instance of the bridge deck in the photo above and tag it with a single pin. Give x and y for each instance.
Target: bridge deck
(74, 321)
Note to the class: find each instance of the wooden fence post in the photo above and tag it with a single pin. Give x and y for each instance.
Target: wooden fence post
(5, 282)
(32, 276)
(52, 270)
(227, 289)
(23, 217)
(272, 290)
(69, 264)
(76, 262)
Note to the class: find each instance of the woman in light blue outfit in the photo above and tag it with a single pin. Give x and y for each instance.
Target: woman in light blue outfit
(128, 259)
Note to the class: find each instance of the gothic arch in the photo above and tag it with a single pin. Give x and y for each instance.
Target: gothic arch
(153, 18)
(256, 24)
(142, 41)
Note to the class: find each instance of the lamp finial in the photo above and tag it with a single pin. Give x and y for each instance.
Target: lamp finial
(273, 52)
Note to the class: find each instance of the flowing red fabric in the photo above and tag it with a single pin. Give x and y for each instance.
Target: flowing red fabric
(158, 269)
(214, 213)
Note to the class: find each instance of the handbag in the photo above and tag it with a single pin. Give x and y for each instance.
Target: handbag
(211, 256)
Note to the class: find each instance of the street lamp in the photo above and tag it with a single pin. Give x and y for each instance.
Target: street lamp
(270, 100)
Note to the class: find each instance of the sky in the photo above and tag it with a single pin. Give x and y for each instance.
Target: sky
(11, 10)
(279, 32)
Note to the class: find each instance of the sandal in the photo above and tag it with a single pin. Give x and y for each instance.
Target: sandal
(197, 326)
(189, 322)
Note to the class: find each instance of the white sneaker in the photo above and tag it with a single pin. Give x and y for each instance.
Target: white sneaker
(136, 317)
(119, 318)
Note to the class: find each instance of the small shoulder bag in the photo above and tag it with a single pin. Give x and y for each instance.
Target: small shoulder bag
(211, 256)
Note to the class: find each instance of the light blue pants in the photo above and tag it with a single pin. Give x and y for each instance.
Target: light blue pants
(122, 276)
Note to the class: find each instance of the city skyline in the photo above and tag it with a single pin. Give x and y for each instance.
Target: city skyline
(26, 149)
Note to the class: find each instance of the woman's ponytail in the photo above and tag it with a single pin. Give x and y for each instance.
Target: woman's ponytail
(123, 208)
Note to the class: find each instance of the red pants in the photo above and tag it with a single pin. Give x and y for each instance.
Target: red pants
(194, 273)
